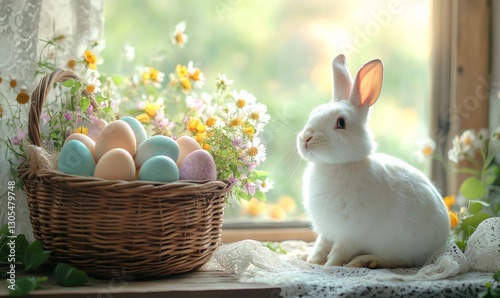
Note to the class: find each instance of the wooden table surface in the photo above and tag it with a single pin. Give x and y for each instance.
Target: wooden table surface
(195, 284)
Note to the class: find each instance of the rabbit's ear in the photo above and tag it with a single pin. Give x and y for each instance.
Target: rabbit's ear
(342, 81)
(367, 84)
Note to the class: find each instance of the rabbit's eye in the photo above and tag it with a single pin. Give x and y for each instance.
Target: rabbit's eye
(340, 123)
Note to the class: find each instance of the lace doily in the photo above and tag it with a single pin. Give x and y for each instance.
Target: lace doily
(448, 273)
(24, 26)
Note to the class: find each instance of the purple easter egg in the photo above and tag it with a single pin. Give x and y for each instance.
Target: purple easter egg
(198, 165)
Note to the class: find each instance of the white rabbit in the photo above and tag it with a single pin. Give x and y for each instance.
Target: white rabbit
(370, 210)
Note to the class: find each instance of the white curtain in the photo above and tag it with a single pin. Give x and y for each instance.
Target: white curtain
(25, 26)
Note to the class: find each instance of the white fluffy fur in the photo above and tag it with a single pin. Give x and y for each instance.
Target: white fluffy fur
(370, 210)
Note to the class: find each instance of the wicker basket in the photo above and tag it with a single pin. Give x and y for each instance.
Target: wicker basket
(108, 228)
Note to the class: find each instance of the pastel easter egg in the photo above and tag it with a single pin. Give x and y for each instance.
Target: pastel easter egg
(117, 134)
(198, 165)
(96, 127)
(139, 130)
(86, 140)
(159, 168)
(187, 145)
(116, 164)
(154, 146)
(76, 159)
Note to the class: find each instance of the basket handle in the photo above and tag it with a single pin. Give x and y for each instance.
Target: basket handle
(38, 98)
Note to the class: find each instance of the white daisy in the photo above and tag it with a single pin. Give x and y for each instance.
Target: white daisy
(242, 99)
(264, 186)
(223, 82)
(179, 37)
(196, 75)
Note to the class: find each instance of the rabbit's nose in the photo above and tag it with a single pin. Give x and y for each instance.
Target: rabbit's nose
(307, 134)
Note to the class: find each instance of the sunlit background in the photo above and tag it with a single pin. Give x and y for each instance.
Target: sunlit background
(281, 51)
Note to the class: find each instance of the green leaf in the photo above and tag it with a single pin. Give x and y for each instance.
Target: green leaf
(491, 174)
(260, 196)
(35, 256)
(68, 83)
(243, 195)
(496, 275)
(476, 206)
(461, 245)
(68, 276)
(84, 103)
(24, 286)
(472, 188)
(4, 229)
(261, 174)
(118, 80)
(107, 110)
(21, 247)
(469, 224)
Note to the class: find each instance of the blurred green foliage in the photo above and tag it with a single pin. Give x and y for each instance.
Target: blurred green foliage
(281, 52)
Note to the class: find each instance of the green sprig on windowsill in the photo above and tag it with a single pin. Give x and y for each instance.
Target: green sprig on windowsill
(16, 252)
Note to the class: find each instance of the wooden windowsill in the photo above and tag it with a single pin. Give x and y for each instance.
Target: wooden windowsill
(196, 284)
(268, 234)
(234, 231)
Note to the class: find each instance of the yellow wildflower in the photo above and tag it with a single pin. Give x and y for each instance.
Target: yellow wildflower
(192, 124)
(199, 137)
(151, 108)
(249, 131)
(23, 97)
(449, 201)
(143, 118)
(91, 59)
(182, 71)
(195, 75)
(145, 76)
(186, 83)
(83, 130)
(154, 74)
(196, 126)
(206, 146)
(453, 219)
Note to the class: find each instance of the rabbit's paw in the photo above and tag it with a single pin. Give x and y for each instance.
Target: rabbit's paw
(319, 254)
(368, 261)
(316, 259)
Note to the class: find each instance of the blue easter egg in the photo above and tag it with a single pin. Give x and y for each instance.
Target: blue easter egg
(159, 168)
(139, 130)
(76, 159)
(154, 146)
